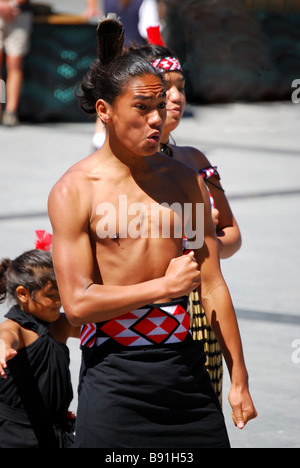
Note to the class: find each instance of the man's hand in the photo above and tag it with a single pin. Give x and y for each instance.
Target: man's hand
(183, 275)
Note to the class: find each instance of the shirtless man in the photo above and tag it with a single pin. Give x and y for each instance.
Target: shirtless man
(114, 279)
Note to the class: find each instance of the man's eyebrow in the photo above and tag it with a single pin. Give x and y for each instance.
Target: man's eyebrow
(139, 97)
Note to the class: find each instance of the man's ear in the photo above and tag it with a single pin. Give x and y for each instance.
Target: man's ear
(23, 294)
(103, 111)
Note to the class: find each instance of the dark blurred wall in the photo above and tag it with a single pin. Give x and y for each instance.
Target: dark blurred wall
(232, 50)
(236, 49)
(60, 56)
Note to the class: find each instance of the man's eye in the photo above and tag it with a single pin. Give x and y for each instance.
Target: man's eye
(141, 106)
(162, 105)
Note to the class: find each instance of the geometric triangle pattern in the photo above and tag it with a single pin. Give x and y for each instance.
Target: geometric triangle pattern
(88, 335)
(167, 64)
(151, 325)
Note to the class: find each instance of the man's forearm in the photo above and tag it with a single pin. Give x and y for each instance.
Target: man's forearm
(101, 302)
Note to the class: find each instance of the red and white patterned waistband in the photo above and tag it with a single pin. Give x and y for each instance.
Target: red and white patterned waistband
(156, 324)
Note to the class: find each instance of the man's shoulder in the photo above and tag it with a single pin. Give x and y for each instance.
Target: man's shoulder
(73, 187)
(69, 183)
(74, 179)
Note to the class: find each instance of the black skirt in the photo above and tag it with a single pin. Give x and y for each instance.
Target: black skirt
(156, 396)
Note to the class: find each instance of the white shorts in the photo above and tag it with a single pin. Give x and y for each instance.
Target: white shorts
(15, 35)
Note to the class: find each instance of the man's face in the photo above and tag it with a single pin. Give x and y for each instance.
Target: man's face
(139, 115)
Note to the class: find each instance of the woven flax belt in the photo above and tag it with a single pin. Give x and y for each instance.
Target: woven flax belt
(202, 331)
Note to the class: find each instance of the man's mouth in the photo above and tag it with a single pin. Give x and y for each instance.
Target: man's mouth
(154, 137)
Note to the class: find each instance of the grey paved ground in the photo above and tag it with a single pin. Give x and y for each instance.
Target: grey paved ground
(256, 148)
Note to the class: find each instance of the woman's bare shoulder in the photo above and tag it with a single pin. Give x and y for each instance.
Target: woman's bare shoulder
(191, 156)
(184, 175)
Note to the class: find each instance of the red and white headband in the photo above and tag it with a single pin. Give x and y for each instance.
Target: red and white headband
(162, 64)
(167, 64)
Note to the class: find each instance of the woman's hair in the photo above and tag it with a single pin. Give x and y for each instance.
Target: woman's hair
(151, 52)
(33, 270)
(114, 68)
(161, 57)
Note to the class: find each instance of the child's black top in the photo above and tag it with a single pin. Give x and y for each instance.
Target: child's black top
(35, 397)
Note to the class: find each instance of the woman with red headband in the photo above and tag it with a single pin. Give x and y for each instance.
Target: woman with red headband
(163, 59)
(229, 237)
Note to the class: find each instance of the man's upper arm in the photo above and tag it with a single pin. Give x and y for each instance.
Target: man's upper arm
(71, 249)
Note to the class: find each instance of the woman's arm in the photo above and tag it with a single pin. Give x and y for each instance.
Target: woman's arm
(228, 232)
(220, 312)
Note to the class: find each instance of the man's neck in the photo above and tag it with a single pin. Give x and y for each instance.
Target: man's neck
(120, 159)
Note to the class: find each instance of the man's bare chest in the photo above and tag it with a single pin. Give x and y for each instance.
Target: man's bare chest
(131, 211)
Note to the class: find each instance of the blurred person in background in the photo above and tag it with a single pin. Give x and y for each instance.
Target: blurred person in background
(93, 9)
(15, 30)
(229, 237)
(136, 16)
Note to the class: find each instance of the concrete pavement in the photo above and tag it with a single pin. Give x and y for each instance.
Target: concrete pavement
(256, 148)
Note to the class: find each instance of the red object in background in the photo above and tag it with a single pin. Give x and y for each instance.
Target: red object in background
(154, 36)
(43, 240)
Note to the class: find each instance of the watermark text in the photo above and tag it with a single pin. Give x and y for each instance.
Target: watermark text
(296, 353)
(2, 92)
(296, 93)
(137, 220)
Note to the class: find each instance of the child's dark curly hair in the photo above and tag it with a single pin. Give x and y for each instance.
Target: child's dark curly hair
(33, 270)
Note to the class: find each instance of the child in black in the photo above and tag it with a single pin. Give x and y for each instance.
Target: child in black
(35, 383)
